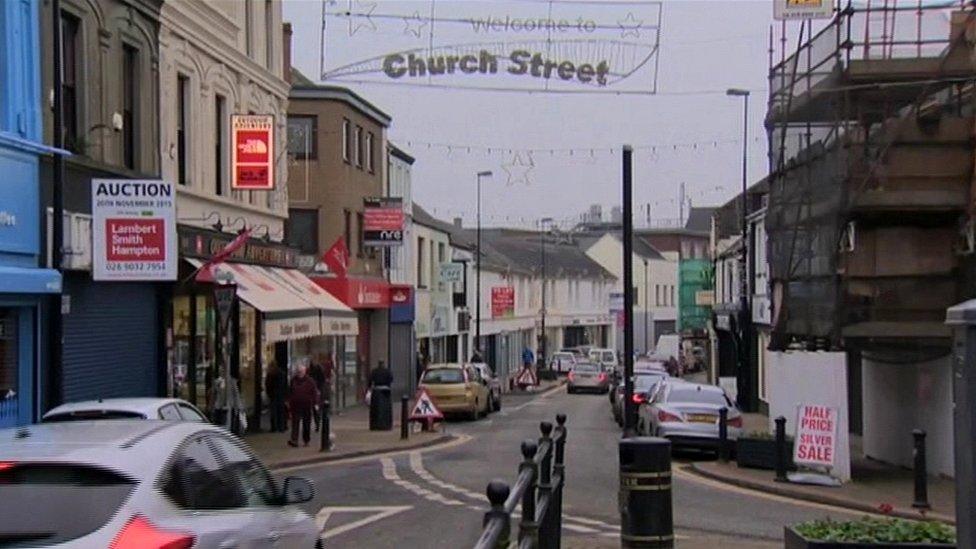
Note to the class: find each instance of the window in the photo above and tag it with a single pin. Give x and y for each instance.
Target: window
(359, 146)
(182, 125)
(130, 102)
(71, 52)
(636, 298)
(302, 230)
(347, 234)
(369, 152)
(254, 481)
(361, 233)
(169, 413)
(672, 296)
(190, 413)
(433, 264)
(441, 258)
(657, 295)
(219, 139)
(248, 27)
(195, 479)
(421, 271)
(302, 136)
(346, 140)
(269, 34)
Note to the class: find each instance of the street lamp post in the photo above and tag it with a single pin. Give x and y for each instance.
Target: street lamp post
(543, 228)
(477, 280)
(745, 312)
(646, 348)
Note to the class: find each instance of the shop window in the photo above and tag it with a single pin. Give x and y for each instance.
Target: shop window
(9, 363)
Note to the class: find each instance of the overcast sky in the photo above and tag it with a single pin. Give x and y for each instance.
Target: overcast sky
(705, 47)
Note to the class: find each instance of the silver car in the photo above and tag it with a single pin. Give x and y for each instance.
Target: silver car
(644, 382)
(127, 483)
(586, 376)
(688, 414)
(171, 409)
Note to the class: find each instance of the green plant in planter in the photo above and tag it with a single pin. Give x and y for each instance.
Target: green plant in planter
(877, 530)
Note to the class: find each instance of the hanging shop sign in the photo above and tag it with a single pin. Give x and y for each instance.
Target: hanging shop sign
(133, 230)
(252, 160)
(383, 221)
(452, 272)
(583, 46)
(802, 9)
(503, 302)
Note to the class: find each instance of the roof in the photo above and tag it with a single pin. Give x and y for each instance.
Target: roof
(401, 154)
(640, 247)
(700, 219)
(303, 88)
(459, 238)
(521, 251)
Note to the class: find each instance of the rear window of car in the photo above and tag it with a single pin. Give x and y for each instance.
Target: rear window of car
(695, 396)
(586, 367)
(608, 356)
(47, 504)
(85, 415)
(440, 376)
(645, 382)
(564, 356)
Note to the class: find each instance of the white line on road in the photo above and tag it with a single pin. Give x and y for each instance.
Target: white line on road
(377, 513)
(390, 474)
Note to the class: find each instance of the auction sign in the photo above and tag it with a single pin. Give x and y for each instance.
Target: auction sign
(133, 230)
(252, 160)
(816, 435)
(802, 9)
(503, 302)
(383, 221)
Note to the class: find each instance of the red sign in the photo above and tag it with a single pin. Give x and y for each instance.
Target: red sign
(358, 293)
(252, 160)
(816, 435)
(400, 295)
(503, 302)
(131, 239)
(425, 409)
(383, 221)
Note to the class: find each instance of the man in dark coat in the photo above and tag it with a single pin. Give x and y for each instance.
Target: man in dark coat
(302, 399)
(317, 373)
(381, 376)
(276, 386)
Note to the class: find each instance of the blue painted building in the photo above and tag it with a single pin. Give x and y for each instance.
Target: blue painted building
(24, 284)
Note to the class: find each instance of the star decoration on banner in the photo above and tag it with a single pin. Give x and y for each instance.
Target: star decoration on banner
(629, 26)
(518, 169)
(363, 18)
(414, 24)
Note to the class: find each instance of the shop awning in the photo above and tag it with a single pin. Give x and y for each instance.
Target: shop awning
(21, 280)
(288, 310)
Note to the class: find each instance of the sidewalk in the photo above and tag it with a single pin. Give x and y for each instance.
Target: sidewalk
(352, 438)
(874, 484)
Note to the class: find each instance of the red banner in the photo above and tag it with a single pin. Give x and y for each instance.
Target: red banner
(503, 302)
(252, 160)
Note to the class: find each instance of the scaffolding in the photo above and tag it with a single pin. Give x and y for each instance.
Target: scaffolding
(870, 133)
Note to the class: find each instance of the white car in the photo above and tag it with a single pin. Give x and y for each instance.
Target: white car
(130, 484)
(687, 414)
(607, 358)
(562, 362)
(170, 409)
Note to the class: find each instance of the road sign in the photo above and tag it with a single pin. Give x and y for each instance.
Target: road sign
(224, 299)
(424, 409)
(526, 377)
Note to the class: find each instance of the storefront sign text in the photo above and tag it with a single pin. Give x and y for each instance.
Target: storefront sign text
(203, 244)
(503, 302)
(383, 221)
(252, 160)
(816, 435)
(133, 230)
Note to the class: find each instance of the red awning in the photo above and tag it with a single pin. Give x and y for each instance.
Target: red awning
(358, 292)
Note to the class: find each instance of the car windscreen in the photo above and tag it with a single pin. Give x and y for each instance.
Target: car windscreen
(85, 415)
(608, 356)
(441, 376)
(695, 396)
(645, 382)
(45, 504)
(586, 368)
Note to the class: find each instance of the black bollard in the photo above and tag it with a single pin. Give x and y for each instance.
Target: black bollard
(645, 493)
(921, 475)
(780, 449)
(325, 444)
(404, 417)
(723, 434)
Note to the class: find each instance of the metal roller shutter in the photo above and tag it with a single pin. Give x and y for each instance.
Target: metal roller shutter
(110, 339)
(402, 359)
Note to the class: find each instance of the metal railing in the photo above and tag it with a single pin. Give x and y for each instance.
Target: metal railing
(538, 489)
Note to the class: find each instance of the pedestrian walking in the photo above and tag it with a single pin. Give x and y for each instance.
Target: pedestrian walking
(276, 387)
(528, 358)
(302, 397)
(317, 373)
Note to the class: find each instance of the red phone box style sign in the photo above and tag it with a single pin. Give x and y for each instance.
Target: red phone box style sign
(252, 160)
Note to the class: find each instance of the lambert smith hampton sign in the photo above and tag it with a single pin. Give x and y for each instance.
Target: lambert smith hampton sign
(583, 45)
(133, 230)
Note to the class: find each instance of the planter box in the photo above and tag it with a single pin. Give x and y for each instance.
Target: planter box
(760, 453)
(796, 541)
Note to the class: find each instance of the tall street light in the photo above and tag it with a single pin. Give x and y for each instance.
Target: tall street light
(544, 225)
(477, 280)
(745, 312)
(646, 348)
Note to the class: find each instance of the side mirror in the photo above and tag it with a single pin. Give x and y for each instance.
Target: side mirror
(298, 490)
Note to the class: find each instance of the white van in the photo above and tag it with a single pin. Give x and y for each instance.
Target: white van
(604, 357)
(669, 345)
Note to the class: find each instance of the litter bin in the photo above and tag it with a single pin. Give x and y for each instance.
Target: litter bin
(380, 409)
(645, 493)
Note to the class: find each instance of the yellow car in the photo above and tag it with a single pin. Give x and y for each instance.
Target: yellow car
(457, 389)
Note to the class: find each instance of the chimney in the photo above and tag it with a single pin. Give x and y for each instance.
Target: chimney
(286, 49)
(458, 223)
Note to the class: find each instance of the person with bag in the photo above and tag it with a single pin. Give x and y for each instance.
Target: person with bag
(301, 400)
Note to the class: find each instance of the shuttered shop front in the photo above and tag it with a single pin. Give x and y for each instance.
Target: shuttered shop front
(111, 339)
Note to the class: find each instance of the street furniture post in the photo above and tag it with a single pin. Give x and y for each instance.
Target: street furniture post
(723, 434)
(646, 518)
(780, 449)
(921, 475)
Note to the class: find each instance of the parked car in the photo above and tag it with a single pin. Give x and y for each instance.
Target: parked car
(607, 358)
(587, 376)
(562, 362)
(170, 409)
(687, 414)
(125, 482)
(457, 389)
(494, 385)
(644, 382)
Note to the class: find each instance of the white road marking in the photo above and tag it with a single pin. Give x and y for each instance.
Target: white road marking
(376, 513)
(390, 474)
(459, 439)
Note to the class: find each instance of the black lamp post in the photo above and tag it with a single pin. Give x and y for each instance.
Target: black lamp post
(544, 224)
(477, 280)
